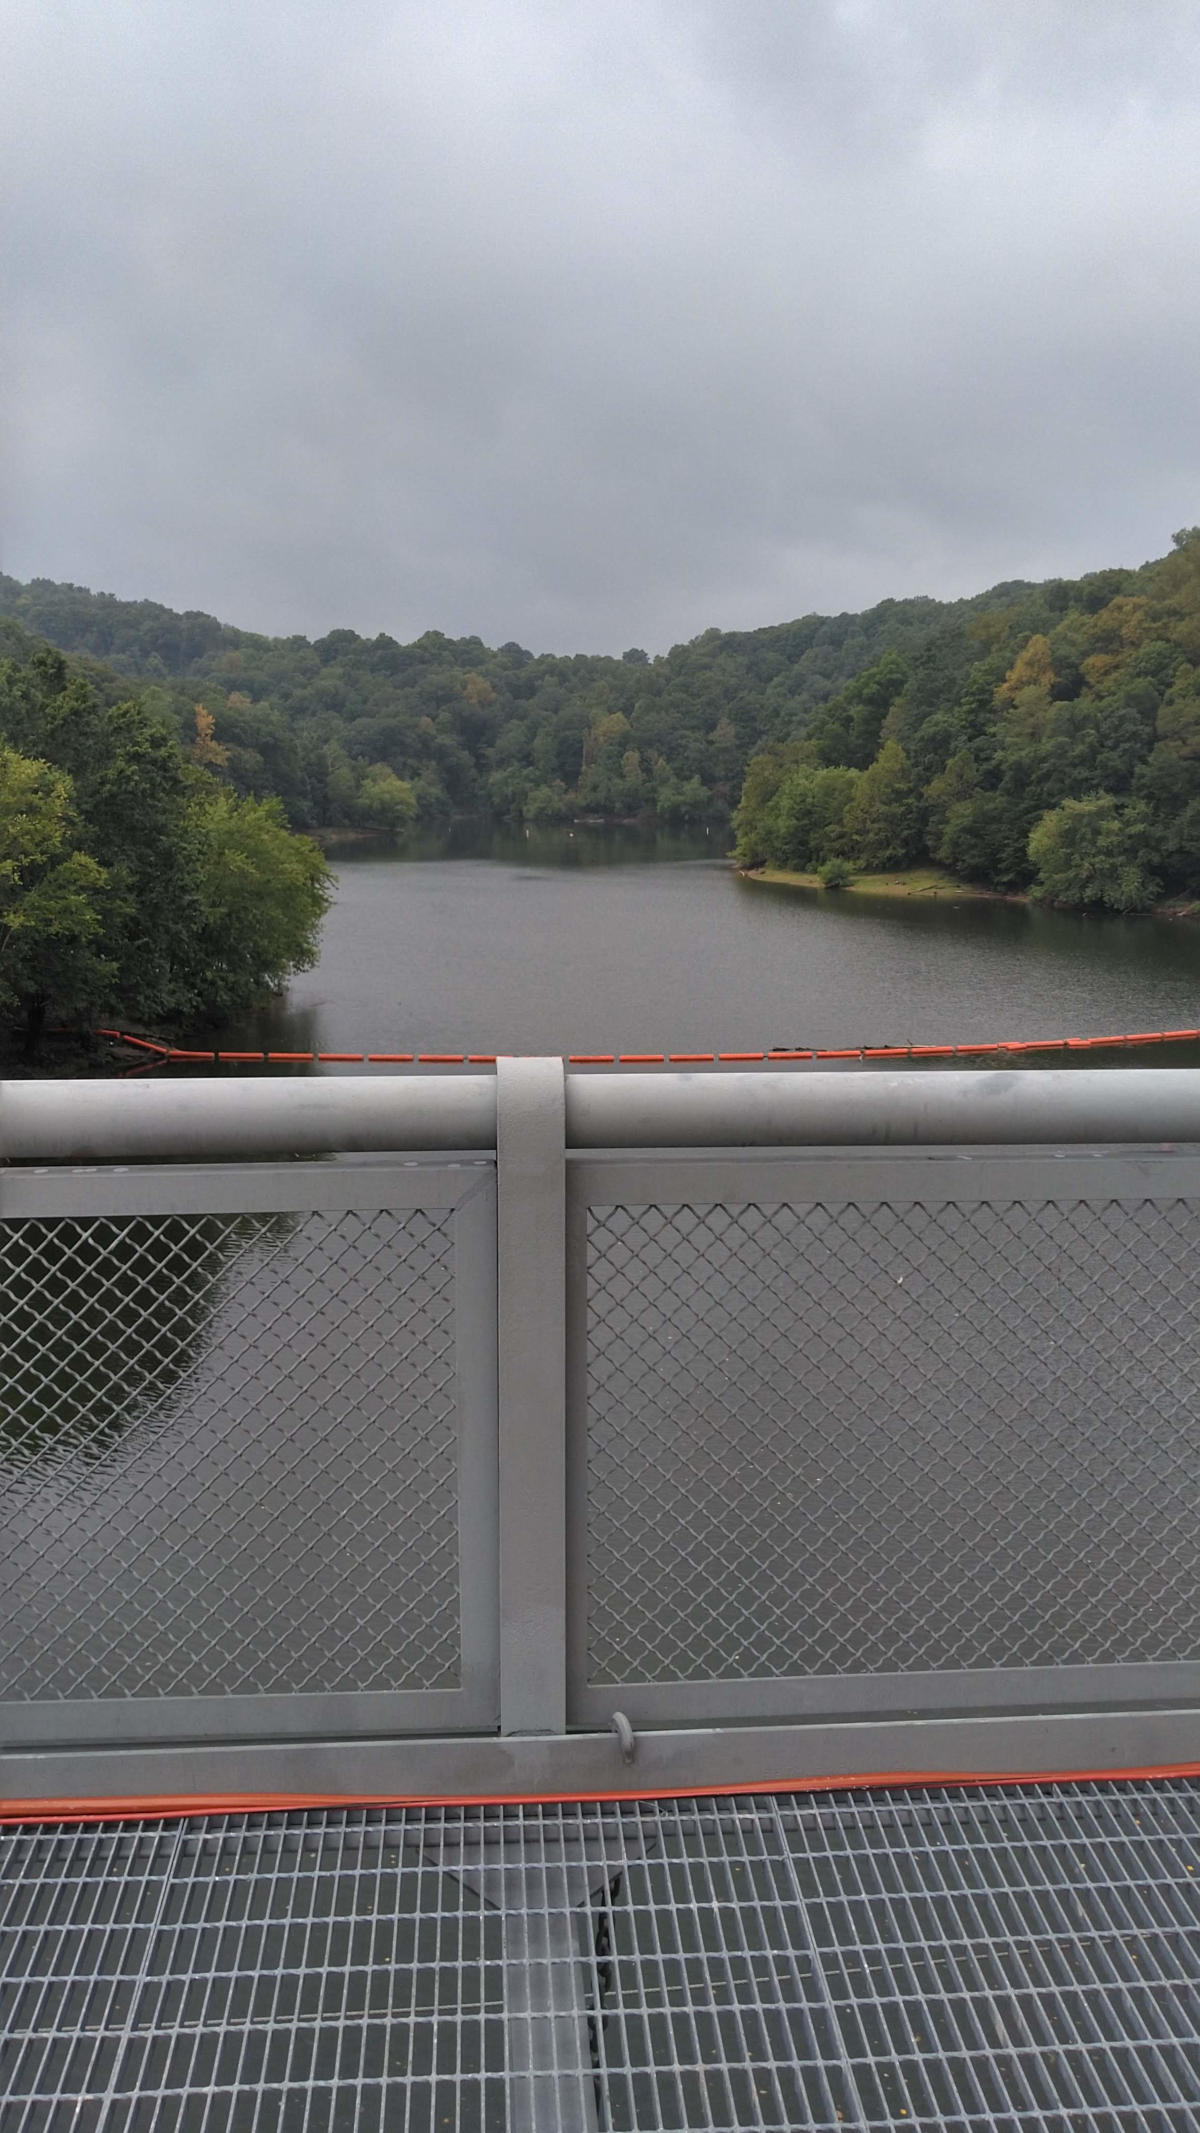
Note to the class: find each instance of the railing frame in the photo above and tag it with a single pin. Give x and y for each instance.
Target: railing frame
(535, 1117)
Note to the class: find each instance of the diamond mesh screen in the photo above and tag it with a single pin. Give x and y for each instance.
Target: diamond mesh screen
(1024, 1960)
(874, 1438)
(228, 1455)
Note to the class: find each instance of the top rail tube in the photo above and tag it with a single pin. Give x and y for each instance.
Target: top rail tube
(871, 1109)
(247, 1118)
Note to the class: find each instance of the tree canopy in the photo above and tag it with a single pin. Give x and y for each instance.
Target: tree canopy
(1051, 743)
(464, 728)
(950, 729)
(132, 881)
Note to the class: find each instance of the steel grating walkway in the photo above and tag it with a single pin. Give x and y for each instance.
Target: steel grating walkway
(953, 1958)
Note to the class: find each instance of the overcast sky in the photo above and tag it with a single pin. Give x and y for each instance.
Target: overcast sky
(595, 322)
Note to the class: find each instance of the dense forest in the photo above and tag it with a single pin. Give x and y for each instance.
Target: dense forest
(354, 731)
(132, 879)
(1036, 736)
(1052, 745)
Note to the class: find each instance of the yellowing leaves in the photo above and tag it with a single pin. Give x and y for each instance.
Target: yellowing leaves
(1122, 625)
(206, 748)
(1032, 668)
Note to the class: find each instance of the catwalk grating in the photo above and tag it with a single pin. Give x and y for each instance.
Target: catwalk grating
(955, 1958)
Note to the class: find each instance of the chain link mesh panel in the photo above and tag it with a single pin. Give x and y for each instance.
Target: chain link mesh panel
(228, 1454)
(852, 1439)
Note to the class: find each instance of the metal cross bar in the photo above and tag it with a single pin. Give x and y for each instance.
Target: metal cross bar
(243, 1118)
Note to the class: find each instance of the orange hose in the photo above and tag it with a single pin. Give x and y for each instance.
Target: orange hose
(154, 1805)
(175, 1053)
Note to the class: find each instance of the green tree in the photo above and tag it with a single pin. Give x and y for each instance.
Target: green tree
(683, 800)
(883, 820)
(1093, 852)
(546, 803)
(849, 729)
(50, 900)
(262, 893)
(765, 773)
(386, 801)
(132, 879)
(956, 783)
(803, 822)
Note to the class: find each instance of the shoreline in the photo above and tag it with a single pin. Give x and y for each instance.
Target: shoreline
(934, 884)
(928, 882)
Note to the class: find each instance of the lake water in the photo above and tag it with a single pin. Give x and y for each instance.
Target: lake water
(181, 1461)
(610, 940)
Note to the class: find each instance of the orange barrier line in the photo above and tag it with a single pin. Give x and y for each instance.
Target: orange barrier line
(144, 1044)
(152, 1806)
(180, 1054)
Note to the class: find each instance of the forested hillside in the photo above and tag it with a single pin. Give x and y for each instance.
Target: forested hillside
(357, 731)
(1037, 735)
(1054, 744)
(132, 880)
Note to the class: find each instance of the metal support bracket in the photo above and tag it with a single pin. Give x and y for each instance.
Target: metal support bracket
(531, 1224)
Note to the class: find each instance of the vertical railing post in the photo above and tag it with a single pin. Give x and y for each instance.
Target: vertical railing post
(531, 1295)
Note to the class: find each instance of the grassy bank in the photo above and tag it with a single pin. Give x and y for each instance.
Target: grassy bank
(932, 883)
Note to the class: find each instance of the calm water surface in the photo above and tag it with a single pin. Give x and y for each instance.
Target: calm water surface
(620, 940)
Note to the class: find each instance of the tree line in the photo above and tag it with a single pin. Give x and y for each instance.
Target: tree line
(1042, 737)
(1052, 745)
(349, 731)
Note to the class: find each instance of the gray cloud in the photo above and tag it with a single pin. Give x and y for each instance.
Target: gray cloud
(596, 325)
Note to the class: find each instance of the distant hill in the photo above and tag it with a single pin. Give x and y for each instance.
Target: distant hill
(921, 728)
(329, 725)
(1050, 742)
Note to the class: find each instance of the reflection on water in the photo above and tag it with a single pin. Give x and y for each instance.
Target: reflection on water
(625, 939)
(104, 1319)
(231, 1455)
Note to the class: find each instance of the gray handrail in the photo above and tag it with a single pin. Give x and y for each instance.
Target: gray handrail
(869, 1109)
(242, 1118)
(247, 1118)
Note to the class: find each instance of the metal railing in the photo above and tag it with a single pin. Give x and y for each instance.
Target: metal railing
(537, 1432)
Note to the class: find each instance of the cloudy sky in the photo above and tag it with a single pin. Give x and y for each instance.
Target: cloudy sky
(595, 322)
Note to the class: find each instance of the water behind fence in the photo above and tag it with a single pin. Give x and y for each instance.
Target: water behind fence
(862, 1420)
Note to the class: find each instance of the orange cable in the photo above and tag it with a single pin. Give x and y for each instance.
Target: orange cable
(153, 1805)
